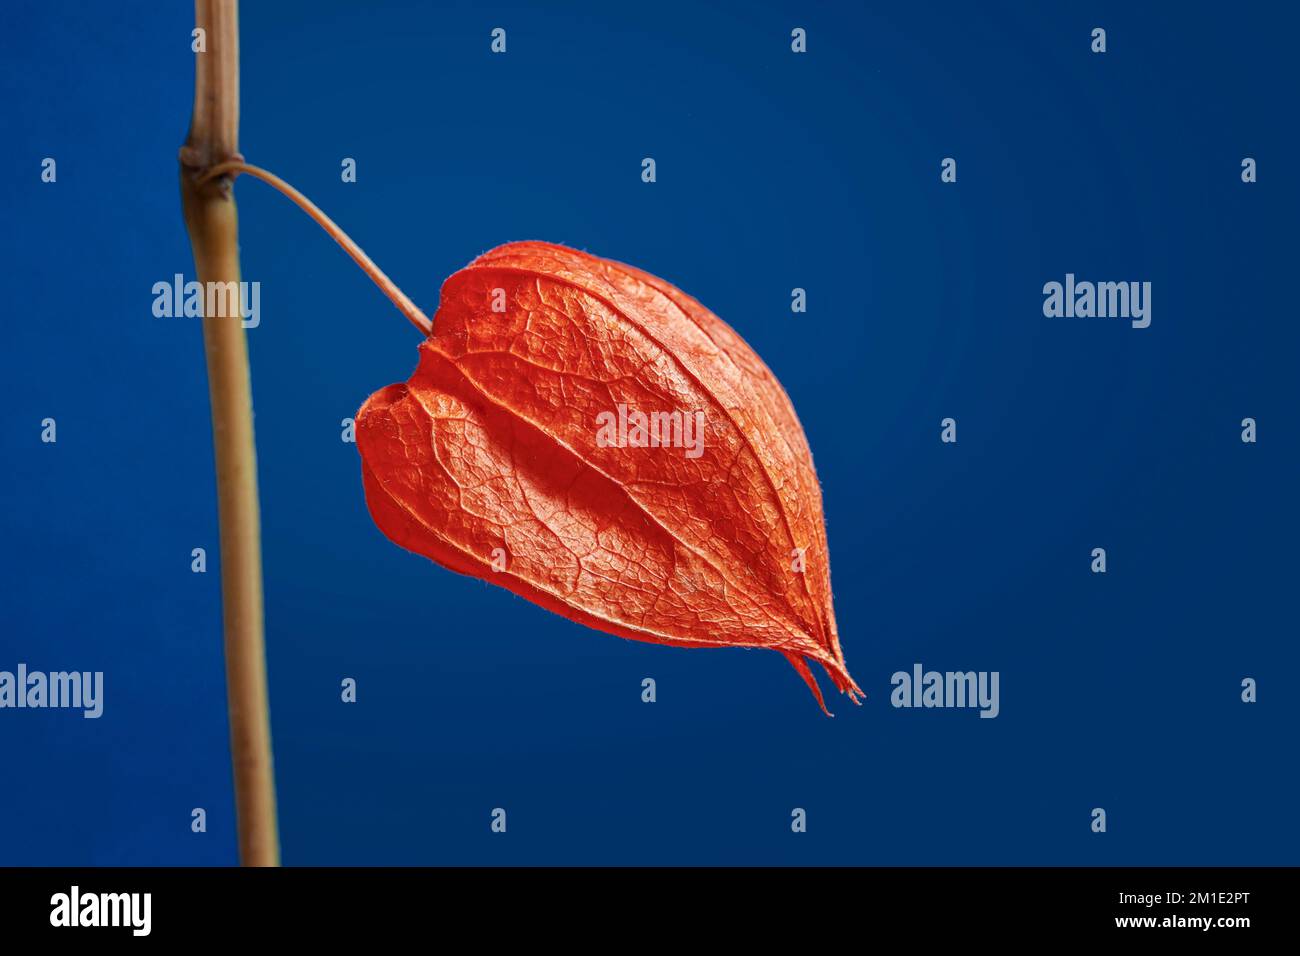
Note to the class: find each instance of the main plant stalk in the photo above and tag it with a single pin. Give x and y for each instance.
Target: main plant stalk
(210, 217)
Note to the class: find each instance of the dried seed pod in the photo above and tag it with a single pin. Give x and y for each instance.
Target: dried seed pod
(595, 440)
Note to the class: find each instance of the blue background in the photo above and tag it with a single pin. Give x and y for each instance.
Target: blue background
(775, 170)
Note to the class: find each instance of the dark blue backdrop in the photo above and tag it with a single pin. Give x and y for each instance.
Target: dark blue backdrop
(775, 170)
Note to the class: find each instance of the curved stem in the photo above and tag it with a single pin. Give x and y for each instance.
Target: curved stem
(390, 289)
